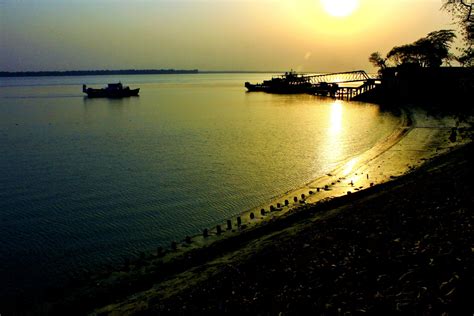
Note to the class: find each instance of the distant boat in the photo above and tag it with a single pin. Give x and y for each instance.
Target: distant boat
(113, 90)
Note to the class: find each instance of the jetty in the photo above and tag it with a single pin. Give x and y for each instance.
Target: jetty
(349, 85)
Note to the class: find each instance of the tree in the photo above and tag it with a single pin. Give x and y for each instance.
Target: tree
(467, 57)
(407, 54)
(439, 44)
(463, 15)
(429, 51)
(377, 60)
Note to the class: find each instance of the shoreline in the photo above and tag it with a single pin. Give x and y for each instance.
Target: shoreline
(379, 164)
(153, 271)
(227, 261)
(395, 248)
(231, 273)
(335, 189)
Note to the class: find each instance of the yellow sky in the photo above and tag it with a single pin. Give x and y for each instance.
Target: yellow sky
(206, 34)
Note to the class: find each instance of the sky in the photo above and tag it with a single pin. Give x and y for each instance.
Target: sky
(215, 35)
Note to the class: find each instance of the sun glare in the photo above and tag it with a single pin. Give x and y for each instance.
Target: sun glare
(340, 8)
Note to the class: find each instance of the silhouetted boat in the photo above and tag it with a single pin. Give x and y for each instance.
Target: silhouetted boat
(290, 82)
(113, 90)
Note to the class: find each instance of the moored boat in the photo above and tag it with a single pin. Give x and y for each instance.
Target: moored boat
(290, 82)
(113, 90)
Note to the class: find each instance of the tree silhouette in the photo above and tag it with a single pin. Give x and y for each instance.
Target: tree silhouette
(429, 51)
(377, 60)
(463, 14)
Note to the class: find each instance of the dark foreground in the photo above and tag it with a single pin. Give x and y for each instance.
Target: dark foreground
(404, 247)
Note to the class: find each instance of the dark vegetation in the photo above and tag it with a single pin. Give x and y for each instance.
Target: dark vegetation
(412, 74)
(433, 50)
(463, 15)
(441, 90)
(429, 51)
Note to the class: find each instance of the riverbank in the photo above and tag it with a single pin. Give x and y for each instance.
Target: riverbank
(209, 269)
(417, 138)
(401, 247)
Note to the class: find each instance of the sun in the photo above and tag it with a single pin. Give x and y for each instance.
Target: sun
(340, 8)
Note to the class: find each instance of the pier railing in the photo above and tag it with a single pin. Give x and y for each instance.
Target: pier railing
(339, 77)
(350, 93)
(368, 83)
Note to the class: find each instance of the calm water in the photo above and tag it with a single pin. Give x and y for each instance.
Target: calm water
(88, 182)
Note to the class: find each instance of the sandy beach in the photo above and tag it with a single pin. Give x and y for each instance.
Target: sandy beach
(174, 279)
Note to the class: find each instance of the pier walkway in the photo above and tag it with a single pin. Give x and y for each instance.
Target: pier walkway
(347, 80)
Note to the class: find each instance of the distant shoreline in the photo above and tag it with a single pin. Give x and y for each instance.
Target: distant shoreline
(12, 74)
(96, 72)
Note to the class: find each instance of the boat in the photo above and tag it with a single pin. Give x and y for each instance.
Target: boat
(290, 82)
(113, 90)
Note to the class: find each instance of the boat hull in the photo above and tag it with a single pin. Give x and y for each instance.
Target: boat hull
(105, 93)
(293, 84)
(280, 88)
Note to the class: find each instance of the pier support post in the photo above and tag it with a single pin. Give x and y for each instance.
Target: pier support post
(229, 224)
(239, 221)
(205, 233)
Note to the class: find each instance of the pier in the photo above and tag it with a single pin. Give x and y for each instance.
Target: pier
(349, 78)
(349, 85)
(352, 93)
